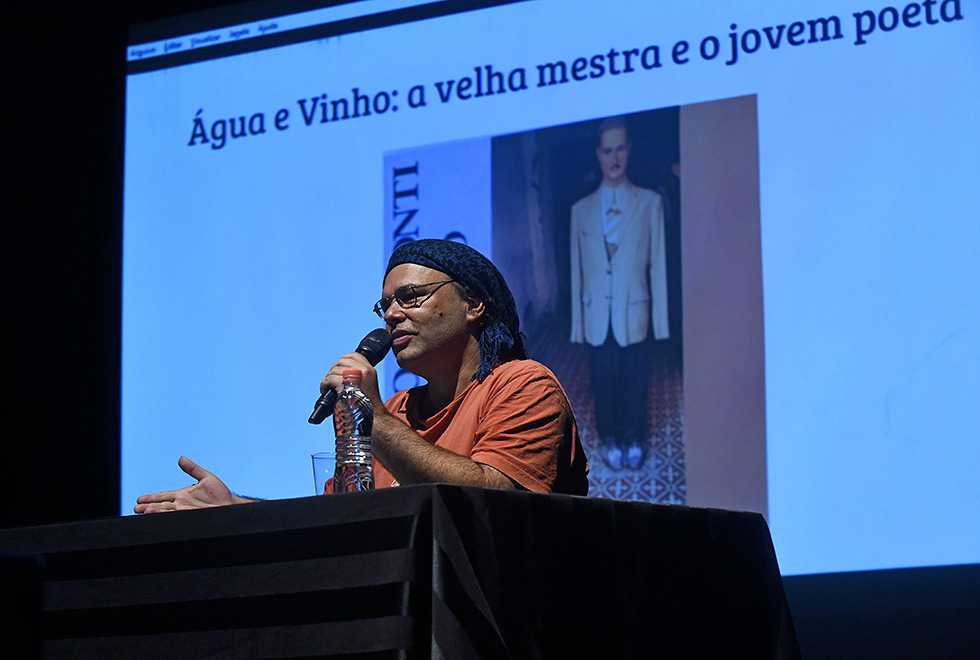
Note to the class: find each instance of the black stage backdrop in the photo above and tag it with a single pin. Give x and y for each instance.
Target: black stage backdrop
(65, 72)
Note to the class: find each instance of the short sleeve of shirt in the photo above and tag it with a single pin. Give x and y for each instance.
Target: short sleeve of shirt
(526, 422)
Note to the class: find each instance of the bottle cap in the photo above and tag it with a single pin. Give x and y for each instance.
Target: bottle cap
(352, 374)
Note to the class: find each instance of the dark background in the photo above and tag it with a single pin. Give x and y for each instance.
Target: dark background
(64, 97)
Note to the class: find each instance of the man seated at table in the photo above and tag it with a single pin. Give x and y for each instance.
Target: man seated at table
(487, 416)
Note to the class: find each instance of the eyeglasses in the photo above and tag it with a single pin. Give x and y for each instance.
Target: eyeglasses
(409, 296)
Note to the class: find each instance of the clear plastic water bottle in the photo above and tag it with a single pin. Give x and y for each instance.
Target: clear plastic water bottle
(353, 419)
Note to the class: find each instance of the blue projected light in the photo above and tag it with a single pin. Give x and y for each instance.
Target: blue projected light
(261, 199)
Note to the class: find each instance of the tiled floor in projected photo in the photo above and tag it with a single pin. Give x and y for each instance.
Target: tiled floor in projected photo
(661, 478)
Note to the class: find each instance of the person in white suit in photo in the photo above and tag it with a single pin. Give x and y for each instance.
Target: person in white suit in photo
(619, 295)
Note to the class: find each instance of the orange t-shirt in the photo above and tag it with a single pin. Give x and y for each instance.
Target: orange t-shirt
(518, 420)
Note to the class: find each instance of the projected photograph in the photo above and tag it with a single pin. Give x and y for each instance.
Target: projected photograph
(631, 244)
(586, 228)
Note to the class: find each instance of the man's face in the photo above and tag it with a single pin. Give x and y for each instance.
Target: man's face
(432, 334)
(614, 153)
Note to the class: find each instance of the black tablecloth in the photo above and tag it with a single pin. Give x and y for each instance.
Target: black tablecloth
(422, 571)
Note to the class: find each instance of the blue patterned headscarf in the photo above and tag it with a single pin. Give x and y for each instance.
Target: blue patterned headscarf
(499, 337)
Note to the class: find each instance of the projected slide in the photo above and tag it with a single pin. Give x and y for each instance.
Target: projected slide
(525, 187)
(797, 325)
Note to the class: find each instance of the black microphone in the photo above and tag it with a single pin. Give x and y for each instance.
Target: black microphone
(373, 347)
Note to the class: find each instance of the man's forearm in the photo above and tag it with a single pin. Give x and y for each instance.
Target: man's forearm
(412, 460)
